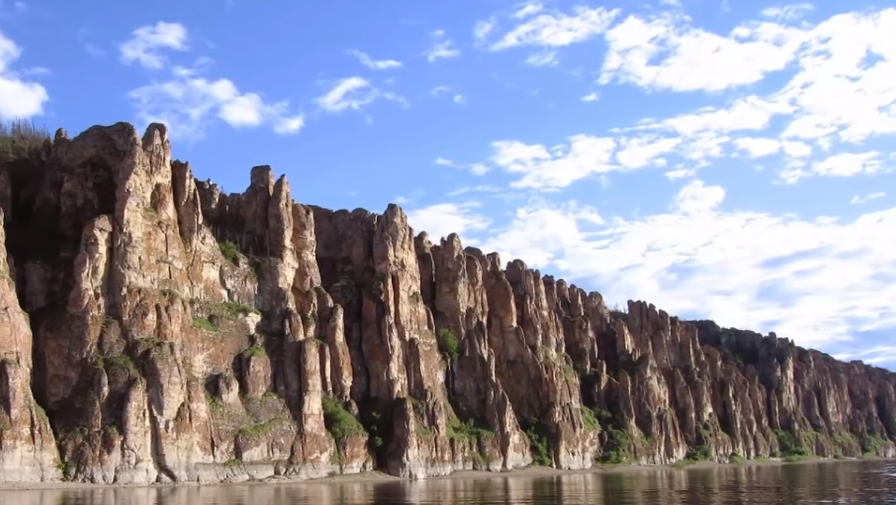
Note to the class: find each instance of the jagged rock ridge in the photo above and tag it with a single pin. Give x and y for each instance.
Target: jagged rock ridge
(156, 330)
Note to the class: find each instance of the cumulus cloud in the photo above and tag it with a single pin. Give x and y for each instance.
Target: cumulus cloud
(372, 64)
(187, 101)
(147, 42)
(19, 97)
(442, 47)
(440, 220)
(664, 52)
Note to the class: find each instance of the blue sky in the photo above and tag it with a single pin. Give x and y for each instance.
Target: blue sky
(722, 159)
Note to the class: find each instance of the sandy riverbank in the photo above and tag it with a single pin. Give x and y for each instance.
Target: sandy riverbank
(380, 477)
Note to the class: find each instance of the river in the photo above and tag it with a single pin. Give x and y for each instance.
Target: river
(841, 482)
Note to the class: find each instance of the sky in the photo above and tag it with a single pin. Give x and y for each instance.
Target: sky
(721, 159)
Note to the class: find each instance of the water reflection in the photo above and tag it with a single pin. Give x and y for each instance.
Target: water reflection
(834, 482)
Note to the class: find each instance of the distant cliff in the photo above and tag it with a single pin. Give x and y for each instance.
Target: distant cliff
(153, 329)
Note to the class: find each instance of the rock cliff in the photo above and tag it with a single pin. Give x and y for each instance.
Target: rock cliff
(155, 329)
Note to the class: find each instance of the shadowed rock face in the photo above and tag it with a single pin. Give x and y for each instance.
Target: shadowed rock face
(153, 329)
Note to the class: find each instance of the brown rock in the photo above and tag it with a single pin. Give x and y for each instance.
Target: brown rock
(150, 301)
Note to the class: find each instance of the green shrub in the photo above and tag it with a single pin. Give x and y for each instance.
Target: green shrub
(700, 453)
(539, 444)
(449, 345)
(735, 458)
(872, 443)
(468, 431)
(789, 445)
(230, 251)
(340, 422)
(604, 417)
(617, 447)
(589, 418)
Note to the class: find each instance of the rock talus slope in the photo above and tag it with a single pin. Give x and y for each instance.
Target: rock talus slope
(155, 329)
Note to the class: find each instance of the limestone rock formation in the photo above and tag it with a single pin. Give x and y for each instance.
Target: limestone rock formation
(155, 329)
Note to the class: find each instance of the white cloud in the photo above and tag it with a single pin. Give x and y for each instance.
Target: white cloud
(591, 97)
(474, 168)
(839, 165)
(790, 12)
(844, 89)
(680, 173)
(698, 198)
(146, 42)
(539, 232)
(349, 93)
(555, 29)
(446, 90)
(542, 59)
(187, 101)
(810, 280)
(481, 31)
(36, 71)
(859, 200)
(442, 47)
(527, 10)
(353, 93)
(556, 168)
(758, 147)
(440, 220)
(372, 64)
(750, 113)
(639, 152)
(665, 53)
(19, 98)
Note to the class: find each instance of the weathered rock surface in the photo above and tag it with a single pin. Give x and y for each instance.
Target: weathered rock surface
(154, 329)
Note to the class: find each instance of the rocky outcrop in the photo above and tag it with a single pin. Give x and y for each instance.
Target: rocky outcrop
(155, 329)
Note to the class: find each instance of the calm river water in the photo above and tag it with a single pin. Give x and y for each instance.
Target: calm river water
(860, 482)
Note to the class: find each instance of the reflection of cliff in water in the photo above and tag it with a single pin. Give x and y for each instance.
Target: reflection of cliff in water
(860, 482)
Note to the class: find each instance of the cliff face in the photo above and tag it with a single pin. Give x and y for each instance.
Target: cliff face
(156, 330)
